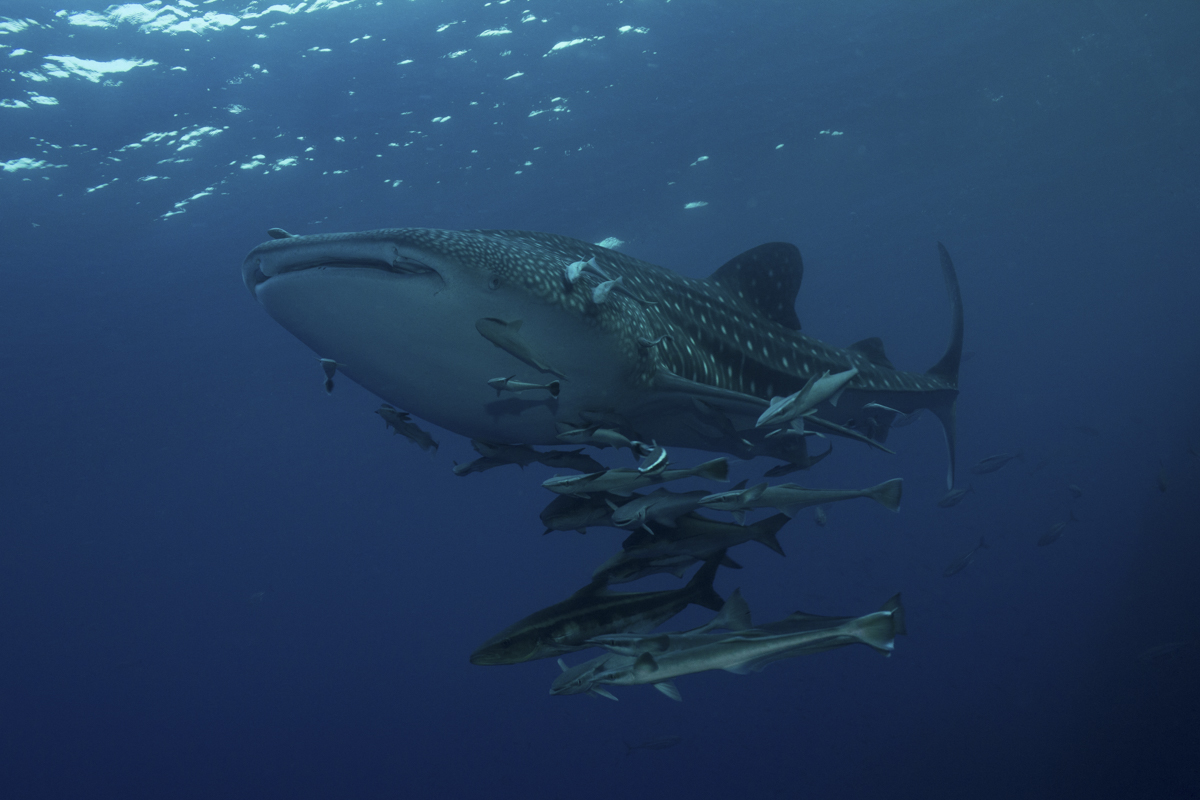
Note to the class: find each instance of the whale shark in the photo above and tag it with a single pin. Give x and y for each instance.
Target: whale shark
(425, 318)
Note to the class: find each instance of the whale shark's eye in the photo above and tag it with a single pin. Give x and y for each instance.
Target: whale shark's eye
(493, 282)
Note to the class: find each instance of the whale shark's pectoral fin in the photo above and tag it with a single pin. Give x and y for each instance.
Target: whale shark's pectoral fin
(849, 433)
(726, 400)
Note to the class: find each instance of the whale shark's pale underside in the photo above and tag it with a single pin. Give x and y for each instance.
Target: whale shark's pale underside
(680, 361)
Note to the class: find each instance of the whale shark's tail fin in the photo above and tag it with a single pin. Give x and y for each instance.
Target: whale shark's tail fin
(947, 367)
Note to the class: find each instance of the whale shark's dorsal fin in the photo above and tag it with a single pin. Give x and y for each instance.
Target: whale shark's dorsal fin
(767, 278)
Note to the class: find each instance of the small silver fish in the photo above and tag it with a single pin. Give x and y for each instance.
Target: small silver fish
(330, 366)
(400, 422)
(574, 271)
(601, 292)
(510, 384)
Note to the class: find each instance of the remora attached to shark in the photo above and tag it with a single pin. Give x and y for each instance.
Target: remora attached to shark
(400, 308)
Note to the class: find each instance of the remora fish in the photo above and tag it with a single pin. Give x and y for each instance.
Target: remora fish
(625, 647)
(571, 513)
(661, 506)
(733, 616)
(510, 384)
(330, 367)
(400, 422)
(752, 650)
(399, 306)
(818, 389)
(594, 611)
(581, 678)
(598, 437)
(506, 336)
(790, 498)
(661, 552)
(960, 563)
(624, 571)
(497, 455)
(625, 480)
(993, 463)
(569, 459)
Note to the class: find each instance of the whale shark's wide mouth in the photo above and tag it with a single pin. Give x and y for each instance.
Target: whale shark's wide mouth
(299, 253)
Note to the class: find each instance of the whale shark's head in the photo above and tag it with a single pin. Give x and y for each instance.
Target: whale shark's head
(397, 309)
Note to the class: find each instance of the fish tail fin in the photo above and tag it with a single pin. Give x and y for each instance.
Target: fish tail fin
(715, 470)
(880, 629)
(765, 530)
(947, 367)
(553, 386)
(897, 610)
(700, 587)
(888, 493)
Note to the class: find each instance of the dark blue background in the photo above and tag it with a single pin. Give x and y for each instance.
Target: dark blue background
(216, 580)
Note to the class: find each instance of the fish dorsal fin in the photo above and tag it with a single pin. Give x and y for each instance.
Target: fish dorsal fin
(872, 348)
(766, 278)
(645, 665)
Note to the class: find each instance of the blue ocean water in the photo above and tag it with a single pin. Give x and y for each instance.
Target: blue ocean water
(217, 580)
